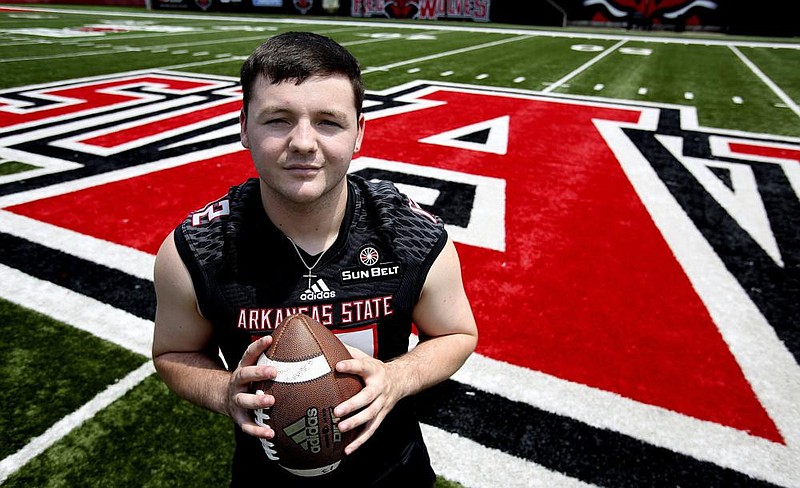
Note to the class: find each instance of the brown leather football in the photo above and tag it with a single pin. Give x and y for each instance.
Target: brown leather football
(307, 440)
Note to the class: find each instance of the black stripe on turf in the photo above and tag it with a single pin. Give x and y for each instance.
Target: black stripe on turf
(565, 445)
(107, 285)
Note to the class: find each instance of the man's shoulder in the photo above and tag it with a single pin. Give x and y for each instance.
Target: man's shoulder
(203, 232)
(391, 205)
(223, 208)
(414, 230)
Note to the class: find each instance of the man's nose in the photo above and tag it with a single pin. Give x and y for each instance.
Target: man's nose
(303, 138)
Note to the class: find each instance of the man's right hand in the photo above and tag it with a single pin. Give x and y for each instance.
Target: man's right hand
(241, 400)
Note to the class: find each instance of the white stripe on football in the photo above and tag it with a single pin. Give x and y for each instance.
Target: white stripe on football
(297, 371)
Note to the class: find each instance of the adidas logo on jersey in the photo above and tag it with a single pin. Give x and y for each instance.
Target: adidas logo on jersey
(318, 291)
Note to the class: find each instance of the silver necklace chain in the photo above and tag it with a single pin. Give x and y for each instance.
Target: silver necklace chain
(309, 268)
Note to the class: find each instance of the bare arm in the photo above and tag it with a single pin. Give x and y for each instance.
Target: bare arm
(448, 335)
(184, 352)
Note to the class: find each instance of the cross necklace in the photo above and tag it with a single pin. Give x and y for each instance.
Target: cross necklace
(308, 275)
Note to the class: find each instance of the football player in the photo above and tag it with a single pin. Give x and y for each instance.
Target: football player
(356, 255)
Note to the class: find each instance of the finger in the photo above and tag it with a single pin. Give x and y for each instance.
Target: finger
(249, 374)
(255, 430)
(359, 417)
(250, 417)
(253, 401)
(354, 366)
(355, 403)
(248, 423)
(362, 438)
(254, 350)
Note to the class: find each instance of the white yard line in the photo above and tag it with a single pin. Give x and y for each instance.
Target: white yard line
(230, 59)
(38, 445)
(83, 313)
(584, 67)
(124, 49)
(444, 54)
(63, 56)
(767, 81)
(23, 41)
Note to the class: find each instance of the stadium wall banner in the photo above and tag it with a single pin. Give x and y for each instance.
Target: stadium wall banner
(477, 10)
(731, 16)
(556, 13)
(470, 10)
(285, 7)
(116, 3)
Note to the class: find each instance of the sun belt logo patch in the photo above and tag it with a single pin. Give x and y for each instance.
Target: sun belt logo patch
(371, 268)
(369, 256)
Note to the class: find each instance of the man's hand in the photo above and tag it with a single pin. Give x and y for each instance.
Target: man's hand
(240, 402)
(378, 397)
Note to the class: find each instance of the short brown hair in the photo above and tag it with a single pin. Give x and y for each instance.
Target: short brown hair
(297, 56)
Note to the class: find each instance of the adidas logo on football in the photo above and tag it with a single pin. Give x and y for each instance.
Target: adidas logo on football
(305, 432)
(318, 291)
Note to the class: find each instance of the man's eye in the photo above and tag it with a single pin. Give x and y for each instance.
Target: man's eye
(331, 123)
(276, 122)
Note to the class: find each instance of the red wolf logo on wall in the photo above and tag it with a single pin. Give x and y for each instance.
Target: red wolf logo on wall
(303, 6)
(652, 11)
(477, 10)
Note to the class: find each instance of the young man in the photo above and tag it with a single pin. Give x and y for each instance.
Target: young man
(358, 256)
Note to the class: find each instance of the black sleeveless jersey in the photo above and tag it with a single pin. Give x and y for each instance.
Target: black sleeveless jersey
(248, 277)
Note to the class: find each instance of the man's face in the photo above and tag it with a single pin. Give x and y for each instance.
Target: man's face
(302, 137)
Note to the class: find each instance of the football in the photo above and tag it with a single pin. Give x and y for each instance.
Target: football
(307, 440)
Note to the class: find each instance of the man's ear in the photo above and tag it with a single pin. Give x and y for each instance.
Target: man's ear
(362, 124)
(243, 129)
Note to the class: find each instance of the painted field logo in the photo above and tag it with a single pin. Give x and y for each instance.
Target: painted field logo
(655, 264)
(72, 130)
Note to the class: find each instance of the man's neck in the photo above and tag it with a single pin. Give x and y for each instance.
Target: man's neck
(313, 227)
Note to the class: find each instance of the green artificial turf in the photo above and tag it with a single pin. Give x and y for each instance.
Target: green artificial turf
(147, 438)
(49, 370)
(12, 167)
